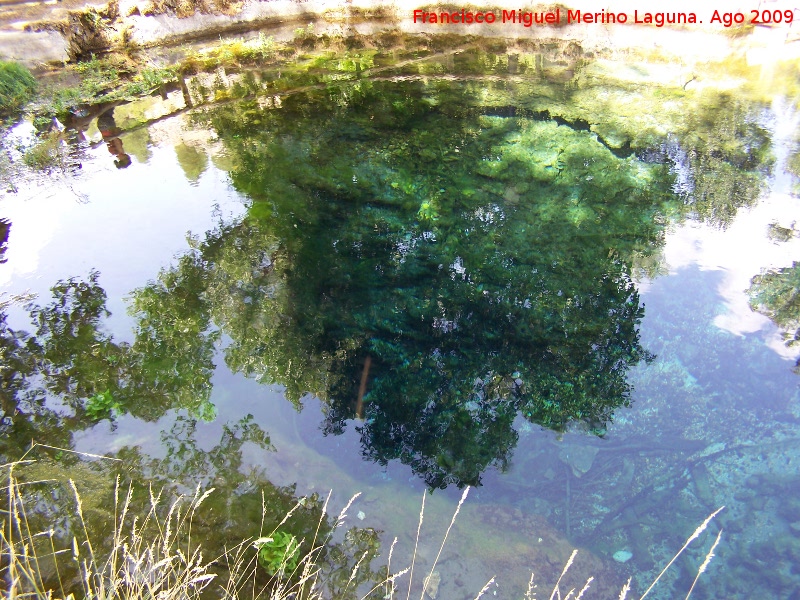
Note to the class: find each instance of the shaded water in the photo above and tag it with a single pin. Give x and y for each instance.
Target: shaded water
(529, 271)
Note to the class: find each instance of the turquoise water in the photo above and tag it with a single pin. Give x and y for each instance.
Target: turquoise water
(526, 271)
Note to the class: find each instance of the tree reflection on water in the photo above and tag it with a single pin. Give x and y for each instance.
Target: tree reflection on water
(468, 267)
(469, 260)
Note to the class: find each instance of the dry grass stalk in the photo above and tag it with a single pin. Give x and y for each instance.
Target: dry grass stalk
(416, 545)
(692, 537)
(556, 591)
(625, 589)
(386, 592)
(485, 588)
(530, 594)
(444, 541)
(583, 590)
(704, 566)
(154, 556)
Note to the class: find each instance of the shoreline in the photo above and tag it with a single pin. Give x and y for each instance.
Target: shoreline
(52, 34)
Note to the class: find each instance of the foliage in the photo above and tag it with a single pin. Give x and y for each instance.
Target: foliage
(279, 553)
(235, 52)
(47, 153)
(474, 240)
(98, 75)
(102, 80)
(793, 167)
(777, 233)
(464, 332)
(17, 86)
(70, 357)
(148, 80)
(777, 295)
(187, 8)
(304, 33)
(101, 406)
(257, 49)
(482, 263)
(727, 152)
(192, 161)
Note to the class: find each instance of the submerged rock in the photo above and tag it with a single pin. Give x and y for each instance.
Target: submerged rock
(432, 585)
(579, 458)
(622, 556)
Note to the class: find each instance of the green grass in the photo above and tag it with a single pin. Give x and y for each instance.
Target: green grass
(234, 52)
(102, 80)
(17, 86)
(45, 154)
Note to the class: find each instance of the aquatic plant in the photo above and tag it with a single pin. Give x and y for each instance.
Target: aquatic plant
(279, 553)
(428, 211)
(101, 406)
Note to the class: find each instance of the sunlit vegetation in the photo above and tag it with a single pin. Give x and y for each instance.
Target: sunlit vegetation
(439, 247)
(101, 80)
(88, 533)
(17, 86)
(429, 226)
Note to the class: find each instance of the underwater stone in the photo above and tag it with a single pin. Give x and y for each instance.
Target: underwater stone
(745, 495)
(732, 524)
(757, 503)
(702, 484)
(579, 458)
(715, 448)
(432, 585)
(789, 509)
(641, 543)
(622, 556)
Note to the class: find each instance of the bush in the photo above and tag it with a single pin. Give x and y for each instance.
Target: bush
(16, 88)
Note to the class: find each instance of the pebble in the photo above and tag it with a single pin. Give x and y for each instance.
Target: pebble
(622, 556)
